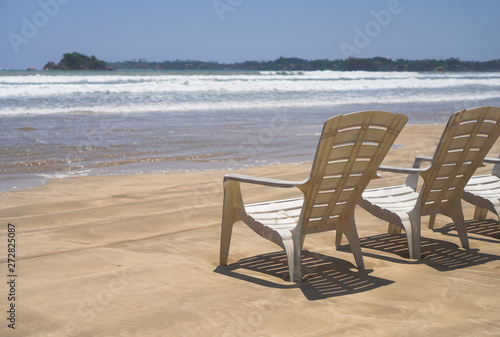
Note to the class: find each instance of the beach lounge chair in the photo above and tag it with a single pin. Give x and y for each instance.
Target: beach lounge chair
(350, 149)
(483, 191)
(466, 140)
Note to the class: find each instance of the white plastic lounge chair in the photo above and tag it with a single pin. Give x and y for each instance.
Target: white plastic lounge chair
(466, 140)
(483, 191)
(349, 152)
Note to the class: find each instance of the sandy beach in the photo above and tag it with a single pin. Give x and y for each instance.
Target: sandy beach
(137, 255)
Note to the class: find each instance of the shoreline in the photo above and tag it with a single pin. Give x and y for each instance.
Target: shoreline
(29, 180)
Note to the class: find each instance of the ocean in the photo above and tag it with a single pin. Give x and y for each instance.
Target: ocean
(72, 123)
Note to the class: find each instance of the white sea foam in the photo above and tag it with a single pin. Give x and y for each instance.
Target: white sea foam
(241, 105)
(126, 92)
(46, 85)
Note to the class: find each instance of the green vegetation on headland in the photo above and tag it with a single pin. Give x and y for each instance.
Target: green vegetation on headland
(290, 64)
(77, 61)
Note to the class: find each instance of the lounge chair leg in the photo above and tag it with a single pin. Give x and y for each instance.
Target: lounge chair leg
(225, 240)
(457, 215)
(349, 229)
(393, 229)
(338, 238)
(412, 229)
(229, 217)
(293, 254)
(497, 211)
(480, 213)
(432, 220)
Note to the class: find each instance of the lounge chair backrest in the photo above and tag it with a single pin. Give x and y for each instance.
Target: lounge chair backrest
(468, 137)
(350, 150)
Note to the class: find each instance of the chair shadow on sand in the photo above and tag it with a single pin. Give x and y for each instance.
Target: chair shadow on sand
(438, 254)
(326, 276)
(487, 227)
(323, 276)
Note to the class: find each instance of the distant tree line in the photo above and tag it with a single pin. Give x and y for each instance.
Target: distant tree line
(292, 63)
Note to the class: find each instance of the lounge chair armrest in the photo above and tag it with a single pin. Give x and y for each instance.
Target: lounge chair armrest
(408, 170)
(491, 160)
(262, 181)
(412, 172)
(420, 159)
(405, 170)
(412, 179)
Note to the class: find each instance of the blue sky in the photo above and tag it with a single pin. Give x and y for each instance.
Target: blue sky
(33, 32)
